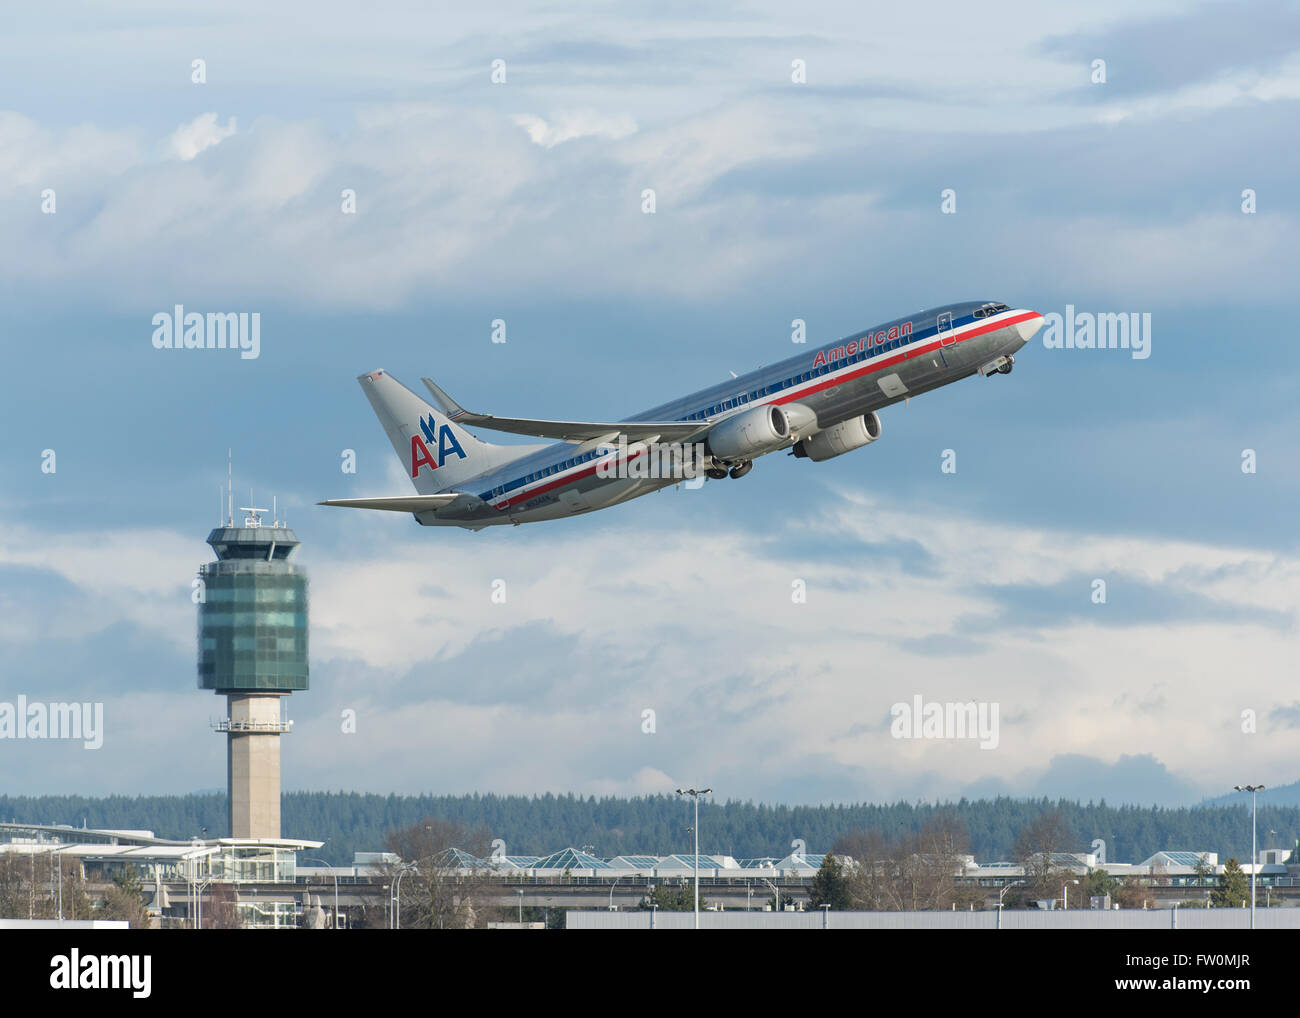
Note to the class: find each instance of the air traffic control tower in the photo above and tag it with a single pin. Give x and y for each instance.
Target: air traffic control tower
(253, 651)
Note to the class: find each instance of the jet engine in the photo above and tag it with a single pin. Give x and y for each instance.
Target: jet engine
(843, 437)
(756, 431)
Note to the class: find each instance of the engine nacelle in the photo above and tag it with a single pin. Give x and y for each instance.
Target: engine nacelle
(844, 437)
(756, 431)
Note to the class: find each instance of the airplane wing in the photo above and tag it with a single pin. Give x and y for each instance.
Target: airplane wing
(399, 503)
(567, 431)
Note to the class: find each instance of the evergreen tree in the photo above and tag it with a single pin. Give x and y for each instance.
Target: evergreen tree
(830, 886)
(674, 898)
(1233, 887)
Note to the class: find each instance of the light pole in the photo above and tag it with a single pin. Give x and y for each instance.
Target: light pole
(520, 891)
(695, 794)
(1065, 895)
(307, 858)
(611, 892)
(776, 891)
(1004, 890)
(397, 897)
(1254, 851)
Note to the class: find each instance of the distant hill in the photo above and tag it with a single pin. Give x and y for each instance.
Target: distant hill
(535, 825)
(1283, 795)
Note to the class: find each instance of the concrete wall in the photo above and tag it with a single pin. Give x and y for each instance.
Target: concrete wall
(1123, 919)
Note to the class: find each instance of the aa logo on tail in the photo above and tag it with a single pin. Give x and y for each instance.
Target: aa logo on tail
(445, 441)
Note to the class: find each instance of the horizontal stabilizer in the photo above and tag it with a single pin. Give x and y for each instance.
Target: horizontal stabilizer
(398, 503)
(566, 431)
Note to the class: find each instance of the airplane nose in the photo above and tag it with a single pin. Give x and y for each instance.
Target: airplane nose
(1029, 327)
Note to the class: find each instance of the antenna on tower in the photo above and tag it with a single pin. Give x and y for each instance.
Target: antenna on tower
(221, 505)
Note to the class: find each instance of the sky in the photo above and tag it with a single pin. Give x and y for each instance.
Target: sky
(1159, 181)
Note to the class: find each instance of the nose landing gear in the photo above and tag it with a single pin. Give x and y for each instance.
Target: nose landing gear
(1001, 366)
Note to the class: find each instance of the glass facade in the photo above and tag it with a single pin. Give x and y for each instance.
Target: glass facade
(253, 617)
(256, 864)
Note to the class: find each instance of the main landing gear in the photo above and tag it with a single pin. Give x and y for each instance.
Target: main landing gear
(719, 471)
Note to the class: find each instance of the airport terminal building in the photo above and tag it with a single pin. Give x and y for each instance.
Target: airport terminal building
(280, 883)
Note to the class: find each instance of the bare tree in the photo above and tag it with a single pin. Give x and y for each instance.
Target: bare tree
(29, 889)
(125, 899)
(1131, 893)
(221, 913)
(913, 872)
(443, 882)
(868, 874)
(15, 887)
(1036, 846)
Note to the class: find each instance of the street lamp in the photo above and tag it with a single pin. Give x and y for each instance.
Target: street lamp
(776, 891)
(397, 896)
(520, 891)
(1254, 851)
(695, 794)
(1065, 892)
(307, 858)
(1004, 890)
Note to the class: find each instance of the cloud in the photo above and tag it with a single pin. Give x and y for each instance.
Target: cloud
(569, 125)
(765, 696)
(35, 156)
(201, 133)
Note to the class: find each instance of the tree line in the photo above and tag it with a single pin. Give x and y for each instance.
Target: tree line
(657, 825)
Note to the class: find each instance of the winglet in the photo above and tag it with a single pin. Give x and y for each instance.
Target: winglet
(444, 402)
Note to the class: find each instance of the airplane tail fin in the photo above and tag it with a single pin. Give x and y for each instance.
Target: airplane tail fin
(437, 454)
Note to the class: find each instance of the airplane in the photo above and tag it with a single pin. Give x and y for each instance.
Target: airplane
(818, 405)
